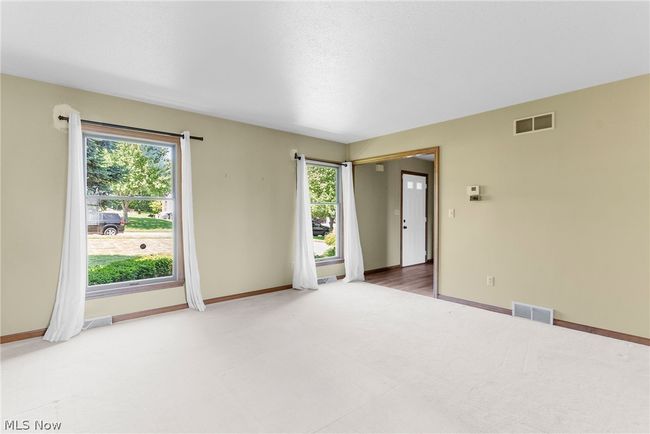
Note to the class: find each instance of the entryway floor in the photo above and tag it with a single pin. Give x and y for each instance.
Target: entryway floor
(416, 278)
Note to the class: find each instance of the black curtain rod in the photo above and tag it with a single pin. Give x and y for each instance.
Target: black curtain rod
(124, 127)
(297, 157)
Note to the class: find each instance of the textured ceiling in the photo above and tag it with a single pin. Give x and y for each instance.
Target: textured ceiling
(341, 71)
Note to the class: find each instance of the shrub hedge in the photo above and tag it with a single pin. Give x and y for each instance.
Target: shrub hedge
(143, 267)
(330, 239)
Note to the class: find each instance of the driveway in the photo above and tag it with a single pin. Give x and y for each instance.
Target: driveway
(132, 243)
(320, 247)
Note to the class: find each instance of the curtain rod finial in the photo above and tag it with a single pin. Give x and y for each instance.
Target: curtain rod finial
(60, 113)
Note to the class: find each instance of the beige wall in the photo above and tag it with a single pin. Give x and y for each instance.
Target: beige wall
(565, 220)
(244, 183)
(378, 198)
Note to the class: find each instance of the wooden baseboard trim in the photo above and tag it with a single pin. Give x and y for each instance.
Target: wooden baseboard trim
(159, 310)
(133, 315)
(475, 304)
(247, 294)
(558, 322)
(148, 312)
(380, 270)
(602, 332)
(21, 336)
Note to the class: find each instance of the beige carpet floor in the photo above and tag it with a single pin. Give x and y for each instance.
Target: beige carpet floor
(346, 358)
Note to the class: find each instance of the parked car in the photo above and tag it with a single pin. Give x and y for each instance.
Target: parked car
(105, 223)
(319, 229)
(165, 215)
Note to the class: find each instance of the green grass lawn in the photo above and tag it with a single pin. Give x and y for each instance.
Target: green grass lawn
(148, 224)
(95, 260)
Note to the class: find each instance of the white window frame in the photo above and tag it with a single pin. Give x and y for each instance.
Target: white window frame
(339, 214)
(132, 286)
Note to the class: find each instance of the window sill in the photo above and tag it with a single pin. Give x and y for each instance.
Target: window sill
(329, 262)
(113, 292)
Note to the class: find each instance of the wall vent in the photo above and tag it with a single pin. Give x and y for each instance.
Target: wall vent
(326, 279)
(535, 313)
(97, 322)
(533, 124)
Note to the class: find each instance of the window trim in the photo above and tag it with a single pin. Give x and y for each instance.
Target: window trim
(133, 286)
(338, 259)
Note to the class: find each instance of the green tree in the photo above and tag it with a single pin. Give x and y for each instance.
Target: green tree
(322, 189)
(147, 173)
(100, 173)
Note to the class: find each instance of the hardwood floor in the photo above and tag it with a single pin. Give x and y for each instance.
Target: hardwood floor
(416, 278)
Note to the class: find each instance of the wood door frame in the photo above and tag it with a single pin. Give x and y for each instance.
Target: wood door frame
(435, 150)
(401, 216)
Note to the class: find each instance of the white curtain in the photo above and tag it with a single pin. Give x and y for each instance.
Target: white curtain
(68, 314)
(351, 242)
(304, 264)
(192, 277)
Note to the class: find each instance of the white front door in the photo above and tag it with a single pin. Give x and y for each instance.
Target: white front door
(414, 217)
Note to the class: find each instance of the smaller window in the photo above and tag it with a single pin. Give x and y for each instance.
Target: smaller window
(418, 186)
(409, 185)
(323, 183)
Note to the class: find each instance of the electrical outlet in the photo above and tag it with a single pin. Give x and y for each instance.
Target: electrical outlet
(490, 281)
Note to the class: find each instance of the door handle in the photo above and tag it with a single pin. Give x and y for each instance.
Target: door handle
(404, 227)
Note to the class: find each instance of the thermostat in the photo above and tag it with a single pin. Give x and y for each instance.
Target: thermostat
(474, 192)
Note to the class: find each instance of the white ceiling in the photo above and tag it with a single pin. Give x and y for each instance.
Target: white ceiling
(341, 71)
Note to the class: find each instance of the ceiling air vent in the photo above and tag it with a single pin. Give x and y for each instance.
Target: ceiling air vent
(534, 124)
(536, 313)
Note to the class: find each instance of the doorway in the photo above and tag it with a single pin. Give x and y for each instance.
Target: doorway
(413, 201)
(398, 225)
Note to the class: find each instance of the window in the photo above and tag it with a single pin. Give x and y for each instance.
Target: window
(131, 214)
(324, 180)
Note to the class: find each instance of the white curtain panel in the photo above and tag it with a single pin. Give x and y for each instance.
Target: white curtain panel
(352, 254)
(304, 264)
(68, 314)
(192, 277)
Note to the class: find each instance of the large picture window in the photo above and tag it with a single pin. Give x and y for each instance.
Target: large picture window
(131, 214)
(324, 181)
